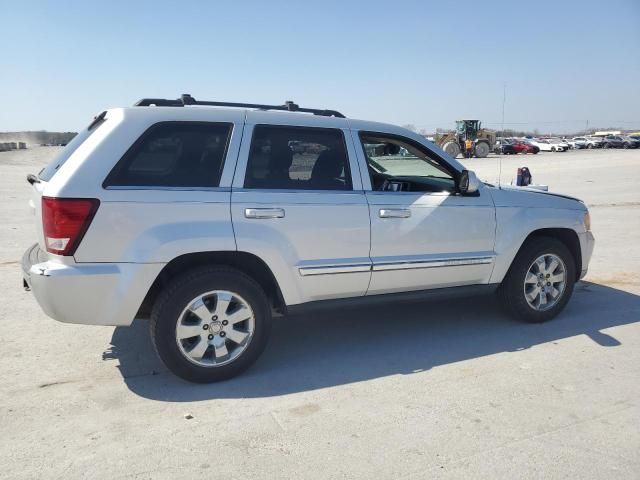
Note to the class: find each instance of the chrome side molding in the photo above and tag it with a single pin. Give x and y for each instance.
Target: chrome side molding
(395, 265)
(332, 269)
(448, 262)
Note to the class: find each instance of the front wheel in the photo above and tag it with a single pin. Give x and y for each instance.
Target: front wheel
(482, 149)
(210, 324)
(540, 280)
(452, 148)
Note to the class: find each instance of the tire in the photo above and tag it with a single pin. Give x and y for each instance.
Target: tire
(590, 146)
(625, 146)
(512, 288)
(553, 149)
(481, 149)
(452, 148)
(171, 309)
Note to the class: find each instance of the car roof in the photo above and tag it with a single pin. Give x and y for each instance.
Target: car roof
(251, 116)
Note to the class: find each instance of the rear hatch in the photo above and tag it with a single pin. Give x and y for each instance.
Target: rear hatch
(40, 181)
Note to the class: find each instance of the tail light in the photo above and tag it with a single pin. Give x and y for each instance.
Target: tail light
(65, 221)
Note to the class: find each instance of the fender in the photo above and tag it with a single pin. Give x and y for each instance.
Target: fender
(515, 224)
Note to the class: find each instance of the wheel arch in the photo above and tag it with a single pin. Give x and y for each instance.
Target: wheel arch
(247, 263)
(567, 236)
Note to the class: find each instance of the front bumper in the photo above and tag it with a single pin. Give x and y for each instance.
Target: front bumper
(587, 242)
(94, 294)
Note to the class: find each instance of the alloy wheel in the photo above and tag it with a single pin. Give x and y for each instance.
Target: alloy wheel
(545, 282)
(215, 328)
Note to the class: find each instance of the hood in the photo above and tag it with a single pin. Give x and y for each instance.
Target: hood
(511, 196)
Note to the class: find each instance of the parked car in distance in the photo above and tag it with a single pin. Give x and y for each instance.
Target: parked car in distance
(504, 147)
(545, 145)
(227, 215)
(629, 142)
(613, 141)
(561, 145)
(577, 142)
(594, 142)
(525, 147)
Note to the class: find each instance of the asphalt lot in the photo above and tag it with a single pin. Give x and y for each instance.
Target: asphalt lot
(420, 390)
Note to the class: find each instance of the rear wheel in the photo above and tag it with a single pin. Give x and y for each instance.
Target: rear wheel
(553, 149)
(540, 280)
(210, 324)
(590, 145)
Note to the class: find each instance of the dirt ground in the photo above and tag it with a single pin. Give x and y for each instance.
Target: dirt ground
(416, 390)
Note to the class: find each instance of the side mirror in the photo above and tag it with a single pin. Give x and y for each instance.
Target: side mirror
(468, 183)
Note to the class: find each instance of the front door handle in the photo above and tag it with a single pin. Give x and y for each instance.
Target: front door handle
(394, 213)
(264, 213)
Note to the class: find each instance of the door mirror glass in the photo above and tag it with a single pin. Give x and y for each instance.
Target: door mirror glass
(468, 183)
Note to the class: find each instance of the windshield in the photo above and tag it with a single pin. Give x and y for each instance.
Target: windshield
(47, 173)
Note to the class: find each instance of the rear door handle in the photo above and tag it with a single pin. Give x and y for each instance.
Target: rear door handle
(264, 213)
(394, 213)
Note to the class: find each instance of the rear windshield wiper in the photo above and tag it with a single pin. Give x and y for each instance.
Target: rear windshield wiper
(31, 178)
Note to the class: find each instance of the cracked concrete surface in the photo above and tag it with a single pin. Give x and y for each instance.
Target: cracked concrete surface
(417, 390)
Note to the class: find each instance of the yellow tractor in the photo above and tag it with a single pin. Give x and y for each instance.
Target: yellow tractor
(453, 142)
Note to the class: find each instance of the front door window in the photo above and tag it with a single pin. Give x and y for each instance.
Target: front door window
(400, 165)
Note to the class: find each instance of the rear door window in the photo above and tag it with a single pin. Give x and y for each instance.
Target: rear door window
(174, 154)
(298, 158)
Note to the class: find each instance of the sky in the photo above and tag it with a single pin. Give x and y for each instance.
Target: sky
(426, 63)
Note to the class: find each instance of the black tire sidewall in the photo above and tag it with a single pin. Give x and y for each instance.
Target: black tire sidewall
(175, 298)
(512, 291)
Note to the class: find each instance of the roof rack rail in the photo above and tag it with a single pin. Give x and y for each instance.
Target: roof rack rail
(186, 99)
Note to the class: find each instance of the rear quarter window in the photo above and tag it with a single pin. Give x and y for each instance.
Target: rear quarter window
(47, 173)
(174, 154)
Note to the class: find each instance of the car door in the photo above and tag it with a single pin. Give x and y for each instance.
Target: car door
(298, 204)
(422, 239)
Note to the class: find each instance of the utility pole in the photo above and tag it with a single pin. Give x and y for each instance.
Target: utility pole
(504, 101)
(586, 130)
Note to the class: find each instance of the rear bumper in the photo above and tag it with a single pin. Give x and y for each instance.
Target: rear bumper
(94, 294)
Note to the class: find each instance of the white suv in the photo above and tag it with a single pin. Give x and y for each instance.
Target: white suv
(208, 220)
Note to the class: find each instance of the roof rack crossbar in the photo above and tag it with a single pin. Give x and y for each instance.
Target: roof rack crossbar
(187, 99)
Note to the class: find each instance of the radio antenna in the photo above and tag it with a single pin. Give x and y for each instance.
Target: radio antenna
(504, 100)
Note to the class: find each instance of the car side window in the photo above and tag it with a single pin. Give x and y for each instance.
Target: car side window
(298, 158)
(400, 164)
(174, 154)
